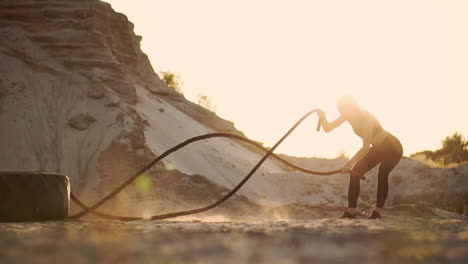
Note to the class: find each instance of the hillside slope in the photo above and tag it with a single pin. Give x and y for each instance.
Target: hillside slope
(79, 97)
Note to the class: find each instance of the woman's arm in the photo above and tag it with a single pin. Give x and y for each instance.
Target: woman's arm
(366, 142)
(329, 126)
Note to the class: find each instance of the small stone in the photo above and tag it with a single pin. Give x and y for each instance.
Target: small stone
(96, 93)
(81, 121)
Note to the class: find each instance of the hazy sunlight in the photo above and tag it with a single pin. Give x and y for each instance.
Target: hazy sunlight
(265, 63)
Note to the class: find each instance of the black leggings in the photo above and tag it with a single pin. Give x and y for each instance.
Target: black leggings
(388, 154)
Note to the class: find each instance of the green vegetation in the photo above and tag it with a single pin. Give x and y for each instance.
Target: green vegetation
(342, 155)
(205, 102)
(173, 81)
(454, 151)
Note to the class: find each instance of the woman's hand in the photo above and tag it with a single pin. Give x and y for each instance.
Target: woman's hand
(346, 168)
(328, 126)
(320, 113)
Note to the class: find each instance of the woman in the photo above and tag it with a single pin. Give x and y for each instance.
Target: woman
(378, 146)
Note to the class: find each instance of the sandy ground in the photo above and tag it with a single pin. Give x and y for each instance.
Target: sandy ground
(392, 240)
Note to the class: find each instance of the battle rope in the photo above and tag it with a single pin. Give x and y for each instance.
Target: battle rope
(92, 209)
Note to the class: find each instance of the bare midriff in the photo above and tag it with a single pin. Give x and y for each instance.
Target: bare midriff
(380, 137)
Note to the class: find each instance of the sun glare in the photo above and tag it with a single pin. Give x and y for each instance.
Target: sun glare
(264, 64)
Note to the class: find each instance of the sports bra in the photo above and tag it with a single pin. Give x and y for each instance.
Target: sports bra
(357, 126)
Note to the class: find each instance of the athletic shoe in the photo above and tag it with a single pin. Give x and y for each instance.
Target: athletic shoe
(375, 215)
(347, 215)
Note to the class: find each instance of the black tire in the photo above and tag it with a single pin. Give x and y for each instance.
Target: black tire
(33, 196)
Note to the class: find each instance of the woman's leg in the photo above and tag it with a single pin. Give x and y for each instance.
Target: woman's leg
(385, 168)
(392, 155)
(369, 161)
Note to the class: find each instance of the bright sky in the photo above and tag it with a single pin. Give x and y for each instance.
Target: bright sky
(264, 63)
